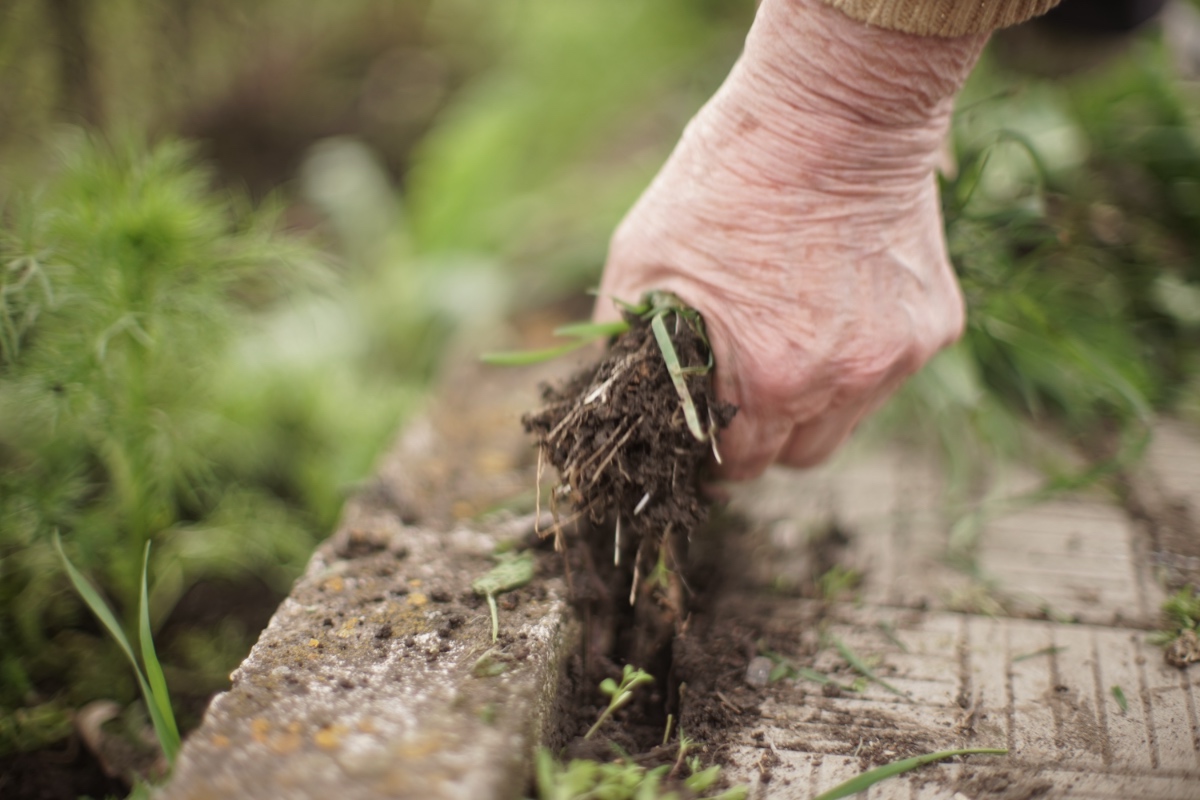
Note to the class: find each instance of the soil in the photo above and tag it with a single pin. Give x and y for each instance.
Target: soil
(66, 772)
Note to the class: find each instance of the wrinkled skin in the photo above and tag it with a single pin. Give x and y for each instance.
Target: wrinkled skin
(799, 213)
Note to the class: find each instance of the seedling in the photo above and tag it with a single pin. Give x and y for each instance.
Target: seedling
(1181, 611)
(838, 580)
(1045, 651)
(1119, 695)
(619, 693)
(860, 783)
(786, 669)
(152, 682)
(621, 780)
(513, 572)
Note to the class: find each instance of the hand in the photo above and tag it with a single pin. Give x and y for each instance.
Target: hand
(800, 215)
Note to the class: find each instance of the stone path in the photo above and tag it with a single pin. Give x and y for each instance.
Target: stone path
(378, 677)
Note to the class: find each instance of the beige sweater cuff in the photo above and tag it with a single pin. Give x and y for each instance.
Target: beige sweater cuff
(943, 17)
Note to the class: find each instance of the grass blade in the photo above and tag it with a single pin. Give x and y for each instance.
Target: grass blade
(672, 358)
(1045, 651)
(593, 330)
(100, 608)
(521, 358)
(860, 783)
(861, 668)
(164, 720)
(1119, 695)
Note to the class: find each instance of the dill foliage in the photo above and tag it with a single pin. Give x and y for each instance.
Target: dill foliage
(124, 279)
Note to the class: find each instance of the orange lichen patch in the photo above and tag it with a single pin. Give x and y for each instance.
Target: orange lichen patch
(259, 729)
(421, 747)
(334, 584)
(348, 628)
(314, 642)
(219, 740)
(330, 737)
(286, 743)
(494, 462)
(414, 582)
(417, 599)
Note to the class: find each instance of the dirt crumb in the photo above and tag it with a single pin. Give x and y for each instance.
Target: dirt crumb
(1003, 785)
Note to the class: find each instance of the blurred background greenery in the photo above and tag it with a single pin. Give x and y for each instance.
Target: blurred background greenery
(236, 237)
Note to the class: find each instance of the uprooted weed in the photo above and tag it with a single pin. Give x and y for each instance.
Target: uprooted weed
(630, 438)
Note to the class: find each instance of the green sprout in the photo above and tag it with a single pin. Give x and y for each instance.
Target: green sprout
(152, 682)
(1181, 611)
(619, 693)
(784, 668)
(860, 783)
(513, 572)
(621, 780)
(1119, 695)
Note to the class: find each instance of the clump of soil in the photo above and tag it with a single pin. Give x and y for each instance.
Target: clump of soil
(618, 435)
(631, 468)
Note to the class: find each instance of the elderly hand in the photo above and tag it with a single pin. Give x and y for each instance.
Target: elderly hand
(799, 214)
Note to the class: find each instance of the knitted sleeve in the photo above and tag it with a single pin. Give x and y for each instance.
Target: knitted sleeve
(943, 17)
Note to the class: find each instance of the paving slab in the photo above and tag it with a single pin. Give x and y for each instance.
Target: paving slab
(1061, 597)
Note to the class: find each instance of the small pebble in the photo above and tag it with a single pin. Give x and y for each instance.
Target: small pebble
(758, 671)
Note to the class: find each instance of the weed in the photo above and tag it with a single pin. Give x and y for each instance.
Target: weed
(624, 779)
(514, 571)
(582, 333)
(837, 581)
(1045, 651)
(1181, 615)
(619, 694)
(861, 667)
(1119, 695)
(655, 307)
(784, 668)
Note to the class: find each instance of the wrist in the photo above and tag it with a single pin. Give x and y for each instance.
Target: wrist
(818, 92)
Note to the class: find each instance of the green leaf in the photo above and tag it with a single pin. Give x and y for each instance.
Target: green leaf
(521, 358)
(593, 330)
(511, 573)
(1119, 695)
(860, 783)
(860, 666)
(168, 733)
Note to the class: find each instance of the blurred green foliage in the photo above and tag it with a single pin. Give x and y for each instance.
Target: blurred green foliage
(1077, 254)
(121, 281)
